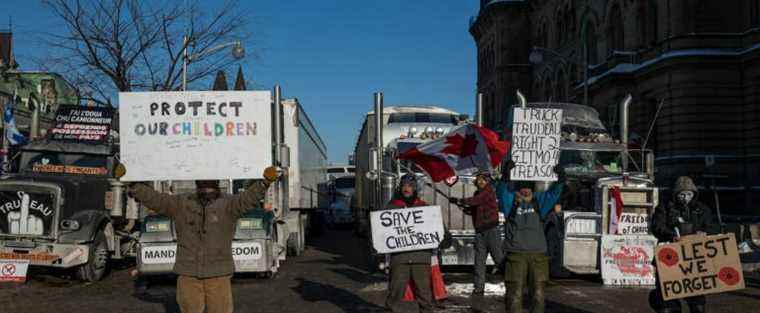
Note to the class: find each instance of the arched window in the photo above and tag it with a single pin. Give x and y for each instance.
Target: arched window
(641, 24)
(547, 89)
(754, 13)
(615, 31)
(559, 30)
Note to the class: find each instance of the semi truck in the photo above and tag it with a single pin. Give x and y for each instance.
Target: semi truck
(381, 139)
(63, 207)
(262, 240)
(593, 162)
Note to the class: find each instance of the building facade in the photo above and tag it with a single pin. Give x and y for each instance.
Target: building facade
(693, 68)
(41, 91)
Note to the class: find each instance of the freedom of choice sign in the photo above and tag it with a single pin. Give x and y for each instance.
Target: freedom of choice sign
(535, 143)
(195, 135)
(698, 265)
(407, 229)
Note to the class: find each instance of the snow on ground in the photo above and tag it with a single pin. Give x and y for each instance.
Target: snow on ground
(465, 289)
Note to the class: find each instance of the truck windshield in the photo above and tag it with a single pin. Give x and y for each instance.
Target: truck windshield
(64, 163)
(409, 117)
(583, 162)
(345, 182)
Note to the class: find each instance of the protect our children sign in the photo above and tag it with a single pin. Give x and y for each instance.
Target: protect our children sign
(195, 135)
(407, 229)
(535, 143)
(699, 265)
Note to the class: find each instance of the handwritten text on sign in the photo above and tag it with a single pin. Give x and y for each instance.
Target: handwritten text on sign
(535, 143)
(407, 229)
(698, 265)
(195, 135)
(627, 260)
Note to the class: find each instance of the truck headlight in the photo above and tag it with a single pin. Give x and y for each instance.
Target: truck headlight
(157, 226)
(70, 225)
(250, 223)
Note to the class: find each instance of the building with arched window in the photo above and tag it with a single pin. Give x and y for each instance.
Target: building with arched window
(693, 68)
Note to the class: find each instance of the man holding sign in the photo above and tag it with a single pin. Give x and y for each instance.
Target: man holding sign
(684, 215)
(205, 225)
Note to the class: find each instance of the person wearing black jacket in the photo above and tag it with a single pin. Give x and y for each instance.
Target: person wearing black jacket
(684, 215)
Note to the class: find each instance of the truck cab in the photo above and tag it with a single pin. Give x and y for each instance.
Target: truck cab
(55, 211)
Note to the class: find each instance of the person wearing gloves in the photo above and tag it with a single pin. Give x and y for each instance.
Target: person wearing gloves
(485, 216)
(205, 225)
(411, 265)
(684, 215)
(524, 239)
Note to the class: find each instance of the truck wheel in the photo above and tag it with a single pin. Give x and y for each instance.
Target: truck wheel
(292, 244)
(97, 261)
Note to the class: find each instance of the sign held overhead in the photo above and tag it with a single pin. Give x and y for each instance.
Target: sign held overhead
(535, 143)
(195, 135)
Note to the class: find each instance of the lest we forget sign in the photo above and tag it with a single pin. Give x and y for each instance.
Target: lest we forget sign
(699, 265)
(535, 143)
(195, 135)
(407, 229)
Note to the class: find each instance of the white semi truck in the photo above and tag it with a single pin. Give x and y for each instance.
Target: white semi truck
(378, 169)
(261, 239)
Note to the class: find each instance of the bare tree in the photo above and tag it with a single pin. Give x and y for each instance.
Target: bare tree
(107, 46)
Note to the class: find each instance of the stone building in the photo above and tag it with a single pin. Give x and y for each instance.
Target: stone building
(41, 91)
(699, 59)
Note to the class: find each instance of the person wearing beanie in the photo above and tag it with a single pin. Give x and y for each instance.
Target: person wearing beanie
(205, 225)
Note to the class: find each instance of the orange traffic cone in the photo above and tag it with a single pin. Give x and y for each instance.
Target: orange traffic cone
(437, 285)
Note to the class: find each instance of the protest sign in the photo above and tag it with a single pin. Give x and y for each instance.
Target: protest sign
(83, 124)
(13, 270)
(535, 143)
(633, 224)
(627, 260)
(407, 229)
(698, 265)
(195, 135)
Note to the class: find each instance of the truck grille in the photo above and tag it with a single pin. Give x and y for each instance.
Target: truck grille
(27, 212)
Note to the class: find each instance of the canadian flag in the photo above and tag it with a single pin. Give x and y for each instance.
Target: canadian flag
(616, 209)
(463, 151)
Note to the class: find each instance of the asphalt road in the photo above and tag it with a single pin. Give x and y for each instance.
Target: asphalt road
(330, 277)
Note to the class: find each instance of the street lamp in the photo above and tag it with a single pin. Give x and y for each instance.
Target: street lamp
(237, 52)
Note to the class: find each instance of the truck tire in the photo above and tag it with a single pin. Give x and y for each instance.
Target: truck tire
(97, 261)
(292, 244)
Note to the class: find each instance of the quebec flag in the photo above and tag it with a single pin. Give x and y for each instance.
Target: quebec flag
(11, 132)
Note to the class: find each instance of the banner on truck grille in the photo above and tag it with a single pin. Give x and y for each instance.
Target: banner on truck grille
(627, 260)
(407, 229)
(13, 270)
(535, 143)
(699, 265)
(195, 135)
(26, 213)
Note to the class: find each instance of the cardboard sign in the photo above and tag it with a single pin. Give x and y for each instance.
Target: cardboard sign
(195, 135)
(407, 229)
(84, 124)
(699, 265)
(627, 260)
(633, 224)
(241, 251)
(13, 270)
(535, 143)
(25, 213)
(246, 251)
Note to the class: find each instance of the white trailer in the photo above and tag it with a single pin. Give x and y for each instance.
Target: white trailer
(261, 240)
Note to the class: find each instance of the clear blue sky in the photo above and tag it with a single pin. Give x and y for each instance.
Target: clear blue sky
(333, 54)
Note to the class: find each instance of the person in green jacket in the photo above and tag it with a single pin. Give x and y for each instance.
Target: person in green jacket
(205, 225)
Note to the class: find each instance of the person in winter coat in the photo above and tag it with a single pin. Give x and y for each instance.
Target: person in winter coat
(485, 216)
(685, 213)
(524, 240)
(414, 265)
(205, 224)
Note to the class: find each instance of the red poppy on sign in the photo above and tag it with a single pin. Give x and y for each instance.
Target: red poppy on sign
(667, 256)
(729, 276)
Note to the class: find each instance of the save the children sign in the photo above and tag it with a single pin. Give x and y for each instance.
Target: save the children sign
(407, 229)
(699, 265)
(195, 135)
(535, 143)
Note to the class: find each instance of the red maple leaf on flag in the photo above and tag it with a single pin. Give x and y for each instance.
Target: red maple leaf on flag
(462, 147)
